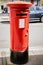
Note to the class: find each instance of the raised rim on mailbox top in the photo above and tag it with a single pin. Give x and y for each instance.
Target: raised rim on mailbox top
(19, 4)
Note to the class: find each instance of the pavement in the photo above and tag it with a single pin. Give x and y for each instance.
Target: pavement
(35, 58)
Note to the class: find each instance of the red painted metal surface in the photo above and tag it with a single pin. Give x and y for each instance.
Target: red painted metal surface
(19, 11)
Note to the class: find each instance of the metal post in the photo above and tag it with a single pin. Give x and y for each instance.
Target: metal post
(4, 59)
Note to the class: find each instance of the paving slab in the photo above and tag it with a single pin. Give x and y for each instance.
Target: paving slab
(33, 60)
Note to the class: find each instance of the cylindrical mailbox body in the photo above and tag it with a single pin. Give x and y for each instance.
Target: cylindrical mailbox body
(19, 24)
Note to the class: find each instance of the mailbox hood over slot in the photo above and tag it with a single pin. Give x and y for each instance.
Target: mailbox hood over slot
(19, 4)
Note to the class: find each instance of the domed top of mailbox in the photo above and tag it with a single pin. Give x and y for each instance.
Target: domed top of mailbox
(19, 4)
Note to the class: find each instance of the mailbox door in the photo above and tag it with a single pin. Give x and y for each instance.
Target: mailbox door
(19, 31)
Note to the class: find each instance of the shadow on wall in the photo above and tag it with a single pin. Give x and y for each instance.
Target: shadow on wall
(5, 22)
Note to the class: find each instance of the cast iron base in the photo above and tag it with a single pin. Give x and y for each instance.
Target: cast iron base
(19, 57)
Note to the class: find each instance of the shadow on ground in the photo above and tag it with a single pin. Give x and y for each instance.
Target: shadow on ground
(5, 22)
(33, 60)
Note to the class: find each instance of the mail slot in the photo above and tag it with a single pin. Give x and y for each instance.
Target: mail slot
(19, 25)
(21, 14)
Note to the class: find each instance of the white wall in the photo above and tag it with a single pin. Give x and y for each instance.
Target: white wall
(36, 36)
(4, 35)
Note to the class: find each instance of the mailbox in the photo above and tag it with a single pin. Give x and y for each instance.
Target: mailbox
(19, 25)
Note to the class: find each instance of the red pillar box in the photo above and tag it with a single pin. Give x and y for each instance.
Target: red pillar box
(19, 24)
